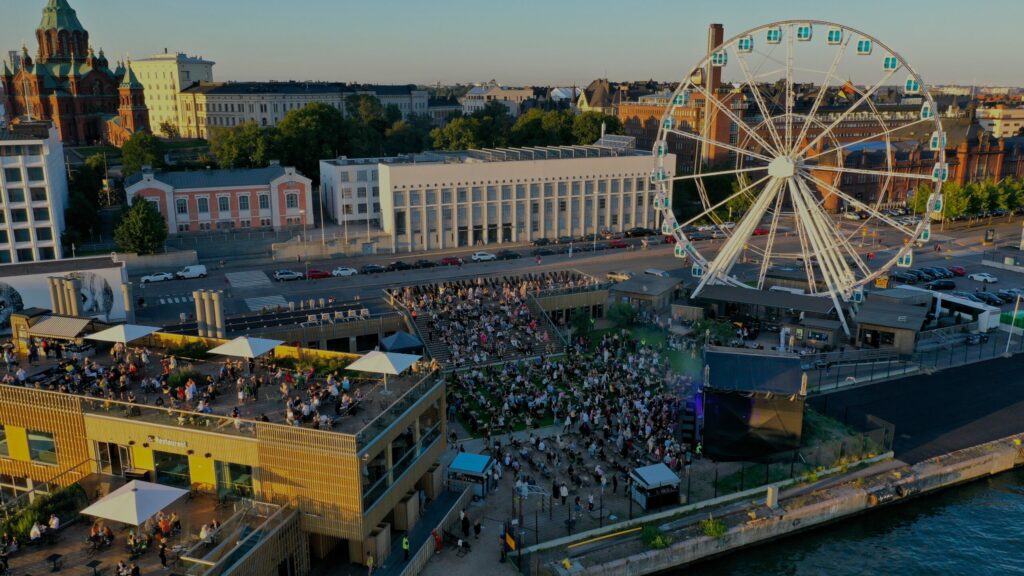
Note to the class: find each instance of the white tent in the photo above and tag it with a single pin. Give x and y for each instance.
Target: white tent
(246, 347)
(123, 333)
(135, 502)
(384, 363)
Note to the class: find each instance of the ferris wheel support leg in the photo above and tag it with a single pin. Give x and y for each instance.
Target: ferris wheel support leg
(824, 263)
(718, 270)
(766, 260)
(830, 238)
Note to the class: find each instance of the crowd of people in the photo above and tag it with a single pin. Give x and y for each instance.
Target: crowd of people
(607, 407)
(485, 320)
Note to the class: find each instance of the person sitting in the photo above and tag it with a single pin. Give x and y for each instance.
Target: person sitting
(204, 534)
(35, 535)
(54, 522)
(108, 536)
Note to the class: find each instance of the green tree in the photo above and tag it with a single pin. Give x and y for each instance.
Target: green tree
(244, 146)
(955, 201)
(142, 149)
(309, 134)
(581, 321)
(586, 127)
(621, 314)
(494, 125)
(141, 229)
(459, 134)
(918, 203)
(80, 219)
(1011, 196)
(716, 332)
(403, 138)
(169, 130)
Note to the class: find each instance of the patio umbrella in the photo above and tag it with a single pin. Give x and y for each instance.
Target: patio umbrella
(123, 333)
(384, 363)
(135, 502)
(401, 341)
(246, 347)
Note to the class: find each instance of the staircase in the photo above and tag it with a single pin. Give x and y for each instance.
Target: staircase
(556, 343)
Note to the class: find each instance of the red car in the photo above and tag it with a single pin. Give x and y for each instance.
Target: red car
(670, 239)
(451, 261)
(315, 274)
(958, 270)
(761, 231)
(617, 244)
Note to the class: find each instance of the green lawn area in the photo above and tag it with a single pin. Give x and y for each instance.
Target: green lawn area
(681, 362)
(87, 151)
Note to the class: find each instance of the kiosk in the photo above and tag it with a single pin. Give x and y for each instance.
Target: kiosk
(654, 486)
(471, 470)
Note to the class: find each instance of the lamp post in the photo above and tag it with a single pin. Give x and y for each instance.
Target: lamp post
(305, 245)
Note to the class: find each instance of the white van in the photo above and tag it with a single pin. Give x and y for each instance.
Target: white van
(656, 272)
(194, 271)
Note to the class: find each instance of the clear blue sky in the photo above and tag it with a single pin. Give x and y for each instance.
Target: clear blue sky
(518, 41)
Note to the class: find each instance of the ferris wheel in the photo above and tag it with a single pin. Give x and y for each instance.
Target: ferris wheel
(792, 132)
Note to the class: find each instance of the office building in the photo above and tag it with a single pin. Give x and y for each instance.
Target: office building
(165, 75)
(34, 187)
(275, 197)
(1002, 121)
(490, 196)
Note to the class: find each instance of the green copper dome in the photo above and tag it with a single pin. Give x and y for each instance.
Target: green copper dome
(58, 15)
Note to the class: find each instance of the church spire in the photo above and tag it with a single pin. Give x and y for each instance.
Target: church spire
(59, 15)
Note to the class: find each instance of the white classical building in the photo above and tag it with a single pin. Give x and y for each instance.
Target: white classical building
(165, 75)
(512, 98)
(34, 187)
(1002, 121)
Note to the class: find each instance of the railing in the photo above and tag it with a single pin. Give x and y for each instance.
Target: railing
(426, 551)
(535, 307)
(389, 415)
(597, 286)
(261, 520)
(78, 471)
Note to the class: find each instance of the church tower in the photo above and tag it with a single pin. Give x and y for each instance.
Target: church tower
(60, 34)
(132, 111)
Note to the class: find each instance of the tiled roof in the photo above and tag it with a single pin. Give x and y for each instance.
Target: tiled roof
(214, 178)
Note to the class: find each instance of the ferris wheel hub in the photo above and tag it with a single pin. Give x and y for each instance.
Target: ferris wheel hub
(782, 167)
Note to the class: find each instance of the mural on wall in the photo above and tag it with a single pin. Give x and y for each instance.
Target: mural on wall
(97, 297)
(10, 302)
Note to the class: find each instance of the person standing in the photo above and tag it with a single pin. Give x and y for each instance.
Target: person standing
(369, 564)
(615, 483)
(465, 525)
(476, 529)
(405, 547)
(163, 553)
(564, 493)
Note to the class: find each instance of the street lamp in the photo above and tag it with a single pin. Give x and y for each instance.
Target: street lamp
(305, 245)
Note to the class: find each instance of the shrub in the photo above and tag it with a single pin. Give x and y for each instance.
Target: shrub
(191, 350)
(66, 503)
(713, 527)
(654, 538)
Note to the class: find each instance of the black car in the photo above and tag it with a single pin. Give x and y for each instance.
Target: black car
(425, 264)
(508, 255)
(989, 298)
(587, 238)
(941, 284)
(542, 252)
(541, 242)
(938, 272)
(897, 276)
(566, 239)
(372, 269)
(698, 236)
(922, 274)
(637, 232)
(1008, 295)
(398, 266)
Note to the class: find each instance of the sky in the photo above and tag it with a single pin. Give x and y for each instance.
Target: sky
(517, 42)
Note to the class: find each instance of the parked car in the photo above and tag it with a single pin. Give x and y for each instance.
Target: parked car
(541, 242)
(670, 239)
(508, 255)
(920, 276)
(976, 338)
(698, 236)
(1009, 294)
(989, 298)
(851, 216)
(587, 238)
(940, 272)
(983, 277)
(158, 277)
(924, 274)
(542, 252)
(483, 257)
(193, 271)
(941, 285)
(344, 271)
(450, 261)
(620, 276)
(611, 234)
(424, 263)
(727, 225)
(287, 275)
(566, 239)
(398, 266)
(372, 269)
(759, 231)
(617, 244)
(958, 270)
(657, 272)
(316, 274)
(968, 296)
(898, 276)
(637, 232)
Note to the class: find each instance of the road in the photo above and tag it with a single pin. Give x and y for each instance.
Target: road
(251, 289)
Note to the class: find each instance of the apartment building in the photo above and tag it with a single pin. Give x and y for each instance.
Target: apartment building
(512, 98)
(165, 75)
(1002, 121)
(33, 192)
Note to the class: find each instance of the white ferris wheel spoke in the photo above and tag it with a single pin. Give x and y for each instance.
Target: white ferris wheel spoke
(869, 209)
(847, 112)
(828, 252)
(766, 260)
(870, 138)
(752, 84)
(712, 209)
(835, 233)
(840, 52)
(789, 88)
(720, 173)
(845, 170)
(729, 114)
(719, 144)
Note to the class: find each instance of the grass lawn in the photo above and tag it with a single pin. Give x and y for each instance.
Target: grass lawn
(87, 151)
(682, 362)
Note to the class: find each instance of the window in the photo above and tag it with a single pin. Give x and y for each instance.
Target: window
(15, 195)
(22, 235)
(224, 204)
(601, 203)
(243, 202)
(181, 206)
(19, 215)
(4, 451)
(399, 198)
(41, 447)
(264, 202)
(35, 173)
(47, 253)
(12, 174)
(291, 201)
(41, 214)
(561, 205)
(38, 194)
(3, 237)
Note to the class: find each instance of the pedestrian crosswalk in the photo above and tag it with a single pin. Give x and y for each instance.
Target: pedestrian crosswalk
(261, 302)
(175, 299)
(248, 279)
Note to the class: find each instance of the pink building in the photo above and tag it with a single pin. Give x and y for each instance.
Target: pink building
(274, 197)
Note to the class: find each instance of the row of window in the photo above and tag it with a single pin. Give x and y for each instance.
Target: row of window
(17, 195)
(25, 235)
(12, 175)
(21, 150)
(549, 191)
(224, 203)
(20, 215)
(41, 446)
